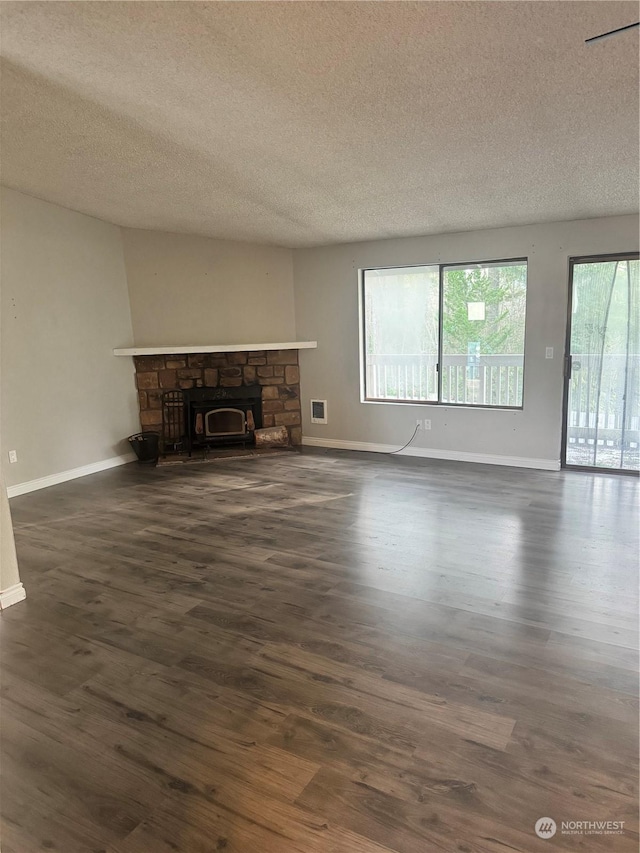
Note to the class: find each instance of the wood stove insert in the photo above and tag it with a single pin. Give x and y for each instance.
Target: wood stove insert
(217, 416)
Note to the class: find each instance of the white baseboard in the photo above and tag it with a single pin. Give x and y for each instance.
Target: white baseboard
(434, 453)
(71, 474)
(12, 595)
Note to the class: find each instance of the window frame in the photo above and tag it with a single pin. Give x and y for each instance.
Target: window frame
(441, 268)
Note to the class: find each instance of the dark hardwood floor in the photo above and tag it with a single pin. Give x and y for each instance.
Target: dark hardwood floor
(322, 653)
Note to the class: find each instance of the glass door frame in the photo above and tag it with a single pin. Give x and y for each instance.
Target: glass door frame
(593, 469)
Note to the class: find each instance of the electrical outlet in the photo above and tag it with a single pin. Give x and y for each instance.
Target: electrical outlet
(419, 423)
(13, 456)
(427, 424)
(548, 352)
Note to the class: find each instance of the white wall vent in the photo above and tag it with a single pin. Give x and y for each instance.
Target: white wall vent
(318, 411)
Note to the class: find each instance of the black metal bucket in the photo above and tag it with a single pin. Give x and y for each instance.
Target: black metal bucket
(146, 446)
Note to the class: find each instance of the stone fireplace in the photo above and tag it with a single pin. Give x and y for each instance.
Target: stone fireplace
(228, 395)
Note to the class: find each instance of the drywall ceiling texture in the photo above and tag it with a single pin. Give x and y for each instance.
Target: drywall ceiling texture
(187, 290)
(326, 300)
(304, 124)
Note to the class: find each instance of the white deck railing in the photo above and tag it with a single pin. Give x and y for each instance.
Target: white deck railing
(596, 398)
(492, 380)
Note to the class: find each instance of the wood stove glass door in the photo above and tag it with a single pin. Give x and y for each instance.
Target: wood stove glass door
(220, 422)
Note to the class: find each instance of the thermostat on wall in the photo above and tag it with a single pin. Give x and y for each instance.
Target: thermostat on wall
(318, 411)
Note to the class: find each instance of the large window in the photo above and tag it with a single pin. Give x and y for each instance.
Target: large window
(450, 333)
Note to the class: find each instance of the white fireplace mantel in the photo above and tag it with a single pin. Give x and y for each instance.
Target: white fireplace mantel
(215, 348)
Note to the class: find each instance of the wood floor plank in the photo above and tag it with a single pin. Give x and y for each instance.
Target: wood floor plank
(174, 829)
(500, 782)
(321, 652)
(416, 707)
(106, 792)
(432, 821)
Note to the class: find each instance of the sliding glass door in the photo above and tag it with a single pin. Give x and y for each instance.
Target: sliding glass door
(602, 375)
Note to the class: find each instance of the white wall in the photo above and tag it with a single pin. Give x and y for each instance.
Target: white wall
(187, 290)
(9, 575)
(326, 300)
(66, 400)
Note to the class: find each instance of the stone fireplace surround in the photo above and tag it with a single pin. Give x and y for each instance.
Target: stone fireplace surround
(276, 371)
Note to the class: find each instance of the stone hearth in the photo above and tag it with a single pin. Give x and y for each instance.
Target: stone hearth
(276, 371)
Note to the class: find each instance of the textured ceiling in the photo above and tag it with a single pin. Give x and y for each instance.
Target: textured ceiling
(312, 123)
